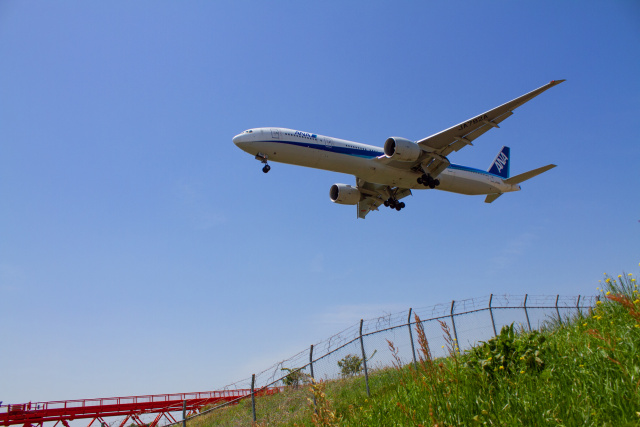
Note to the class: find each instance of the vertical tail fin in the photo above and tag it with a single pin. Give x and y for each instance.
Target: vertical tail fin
(500, 165)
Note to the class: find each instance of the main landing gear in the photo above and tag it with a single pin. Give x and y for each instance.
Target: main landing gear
(428, 181)
(394, 204)
(263, 159)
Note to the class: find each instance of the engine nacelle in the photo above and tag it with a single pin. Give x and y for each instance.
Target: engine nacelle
(344, 194)
(402, 149)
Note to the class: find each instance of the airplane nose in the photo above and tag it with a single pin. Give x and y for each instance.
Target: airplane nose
(243, 141)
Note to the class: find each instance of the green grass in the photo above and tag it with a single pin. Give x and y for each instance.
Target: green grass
(585, 371)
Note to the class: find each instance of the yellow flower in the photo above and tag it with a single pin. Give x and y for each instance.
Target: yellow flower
(629, 274)
(608, 293)
(619, 276)
(598, 302)
(608, 280)
(636, 301)
(584, 324)
(521, 357)
(490, 358)
(522, 372)
(501, 367)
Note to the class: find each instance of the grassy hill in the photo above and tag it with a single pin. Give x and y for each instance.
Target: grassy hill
(585, 371)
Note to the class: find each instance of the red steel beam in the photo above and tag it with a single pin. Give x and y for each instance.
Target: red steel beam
(130, 406)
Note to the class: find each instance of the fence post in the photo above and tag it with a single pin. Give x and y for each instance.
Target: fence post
(253, 396)
(493, 322)
(578, 305)
(526, 312)
(455, 334)
(311, 360)
(313, 378)
(413, 348)
(184, 413)
(557, 310)
(364, 360)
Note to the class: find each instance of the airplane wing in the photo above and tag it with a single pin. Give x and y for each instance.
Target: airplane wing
(441, 144)
(375, 195)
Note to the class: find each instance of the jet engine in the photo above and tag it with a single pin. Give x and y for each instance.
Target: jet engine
(401, 149)
(344, 194)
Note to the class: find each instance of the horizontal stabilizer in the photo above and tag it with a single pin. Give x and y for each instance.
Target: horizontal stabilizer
(527, 175)
(491, 197)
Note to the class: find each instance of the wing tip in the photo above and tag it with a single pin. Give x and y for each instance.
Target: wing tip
(557, 82)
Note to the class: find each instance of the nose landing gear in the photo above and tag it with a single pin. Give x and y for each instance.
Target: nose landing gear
(428, 181)
(263, 159)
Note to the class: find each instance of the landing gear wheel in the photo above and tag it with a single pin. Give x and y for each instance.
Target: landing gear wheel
(402, 205)
(266, 168)
(386, 203)
(432, 185)
(419, 180)
(436, 182)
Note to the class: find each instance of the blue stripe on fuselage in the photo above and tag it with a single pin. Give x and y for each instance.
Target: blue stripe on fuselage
(468, 169)
(369, 154)
(364, 153)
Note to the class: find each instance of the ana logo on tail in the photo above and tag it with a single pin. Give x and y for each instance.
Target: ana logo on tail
(500, 165)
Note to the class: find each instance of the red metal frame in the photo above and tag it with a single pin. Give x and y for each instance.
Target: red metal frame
(131, 407)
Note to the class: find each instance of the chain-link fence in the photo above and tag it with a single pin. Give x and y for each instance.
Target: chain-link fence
(364, 346)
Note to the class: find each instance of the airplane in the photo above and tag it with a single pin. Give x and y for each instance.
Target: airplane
(386, 175)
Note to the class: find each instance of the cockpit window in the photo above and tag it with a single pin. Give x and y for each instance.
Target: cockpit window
(248, 131)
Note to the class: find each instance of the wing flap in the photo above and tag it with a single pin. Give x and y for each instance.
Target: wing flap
(375, 195)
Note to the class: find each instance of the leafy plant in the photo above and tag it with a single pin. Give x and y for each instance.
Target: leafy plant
(509, 353)
(350, 365)
(295, 377)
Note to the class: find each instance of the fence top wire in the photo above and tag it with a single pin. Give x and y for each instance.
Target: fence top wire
(387, 321)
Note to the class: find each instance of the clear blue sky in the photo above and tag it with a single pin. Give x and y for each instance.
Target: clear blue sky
(141, 252)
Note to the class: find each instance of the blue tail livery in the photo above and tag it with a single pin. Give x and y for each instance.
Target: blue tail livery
(500, 165)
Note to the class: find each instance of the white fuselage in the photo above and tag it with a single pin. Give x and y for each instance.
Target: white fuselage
(353, 158)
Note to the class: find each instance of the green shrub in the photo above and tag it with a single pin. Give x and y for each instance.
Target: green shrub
(509, 353)
(350, 365)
